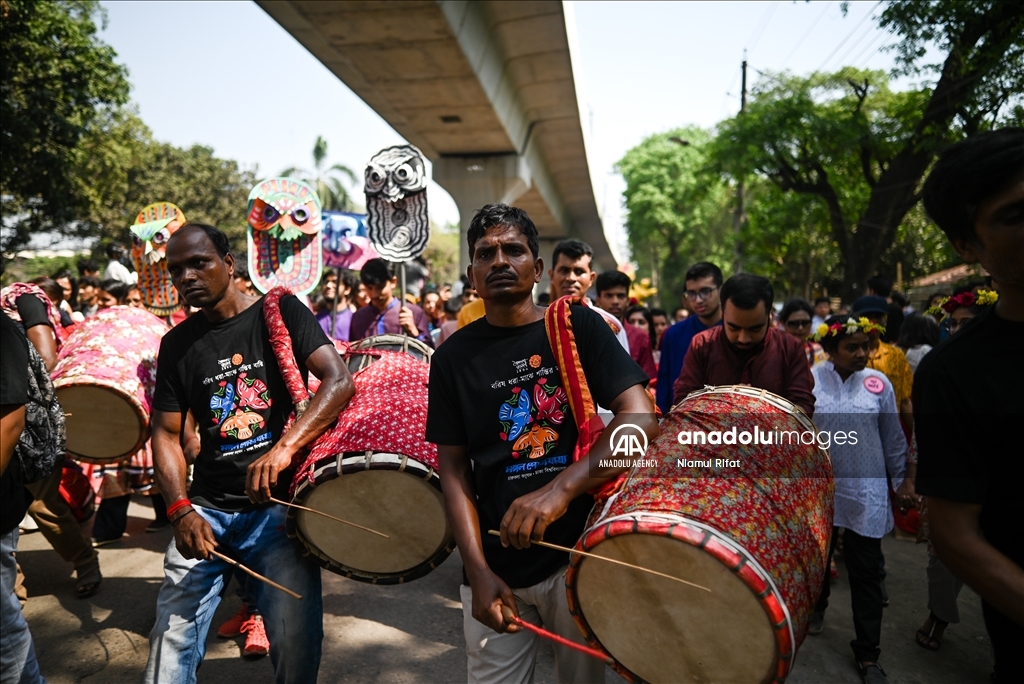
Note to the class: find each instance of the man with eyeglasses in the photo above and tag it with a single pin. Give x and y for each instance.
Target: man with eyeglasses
(747, 350)
(703, 281)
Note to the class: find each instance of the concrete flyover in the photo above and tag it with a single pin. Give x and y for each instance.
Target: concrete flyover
(485, 89)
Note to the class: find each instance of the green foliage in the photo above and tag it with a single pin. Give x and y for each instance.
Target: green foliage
(121, 169)
(786, 239)
(677, 213)
(56, 78)
(860, 150)
(331, 188)
(24, 270)
(442, 253)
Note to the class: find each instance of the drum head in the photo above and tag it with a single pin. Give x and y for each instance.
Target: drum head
(394, 343)
(665, 631)
(400, 504)
(102, 425)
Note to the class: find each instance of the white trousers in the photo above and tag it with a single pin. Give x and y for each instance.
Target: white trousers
(510, 658)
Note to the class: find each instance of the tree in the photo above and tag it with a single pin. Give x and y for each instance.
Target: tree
(862, 150)
(330, 188)
(120, 169)
(56, 77)
(786, 239)
(442, 253)
(676, 213)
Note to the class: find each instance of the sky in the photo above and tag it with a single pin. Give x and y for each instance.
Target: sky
(225, 75)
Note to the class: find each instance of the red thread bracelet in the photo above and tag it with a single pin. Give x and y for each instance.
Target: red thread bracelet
(177, 506)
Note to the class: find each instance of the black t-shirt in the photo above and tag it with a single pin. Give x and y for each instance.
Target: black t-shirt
(14, 499)
(227, 375)
(498, 391)
(32, 311)
(967, 410)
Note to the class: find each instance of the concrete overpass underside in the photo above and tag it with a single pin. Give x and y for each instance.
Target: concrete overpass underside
(484, 89)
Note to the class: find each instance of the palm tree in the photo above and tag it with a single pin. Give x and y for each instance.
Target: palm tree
(332, 192)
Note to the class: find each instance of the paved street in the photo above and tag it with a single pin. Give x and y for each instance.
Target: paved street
(413, 633)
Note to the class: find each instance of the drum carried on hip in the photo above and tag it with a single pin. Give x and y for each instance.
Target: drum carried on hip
(374, 469)
(732, 504)
(104, 378)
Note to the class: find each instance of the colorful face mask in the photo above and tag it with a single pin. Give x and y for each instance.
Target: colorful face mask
(396, 203)
(284, 245)
(153, 227)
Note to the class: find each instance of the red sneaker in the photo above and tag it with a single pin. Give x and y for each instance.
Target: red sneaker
(256, 643)
(233, 626)
(833, 569)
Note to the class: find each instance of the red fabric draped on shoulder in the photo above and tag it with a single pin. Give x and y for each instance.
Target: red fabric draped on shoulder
(562, 338)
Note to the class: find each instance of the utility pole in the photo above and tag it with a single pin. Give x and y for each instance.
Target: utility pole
(737, 221)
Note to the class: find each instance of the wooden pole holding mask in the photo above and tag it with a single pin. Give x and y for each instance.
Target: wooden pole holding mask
(401, 286)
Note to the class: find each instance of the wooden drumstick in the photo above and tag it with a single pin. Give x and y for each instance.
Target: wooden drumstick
(511, 619)
(255, 574)
(556, 547)
(328, 515)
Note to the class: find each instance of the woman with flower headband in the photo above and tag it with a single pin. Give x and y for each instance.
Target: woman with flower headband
(859, 403)
(943, 586)
(960, 308)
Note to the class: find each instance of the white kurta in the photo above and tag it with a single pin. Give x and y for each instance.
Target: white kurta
(862, 491)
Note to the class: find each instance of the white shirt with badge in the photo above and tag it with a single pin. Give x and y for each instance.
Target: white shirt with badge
(866, 405)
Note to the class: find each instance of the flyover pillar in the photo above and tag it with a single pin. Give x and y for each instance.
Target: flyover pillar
(474, 181)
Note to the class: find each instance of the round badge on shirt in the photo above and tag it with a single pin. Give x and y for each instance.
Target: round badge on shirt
(874, 385)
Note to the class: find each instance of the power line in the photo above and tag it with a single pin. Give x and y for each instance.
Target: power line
(867, 49)
(848, 36)
(801, 41)
(728, 94)
(889, 41)
(853, 46)
(766, 18)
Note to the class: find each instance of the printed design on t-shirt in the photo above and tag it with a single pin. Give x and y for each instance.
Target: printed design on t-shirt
(236, 406)
(529, 423)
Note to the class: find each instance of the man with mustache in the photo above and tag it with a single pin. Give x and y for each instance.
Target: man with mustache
(508, 446)
(220, 365)
(746, 349)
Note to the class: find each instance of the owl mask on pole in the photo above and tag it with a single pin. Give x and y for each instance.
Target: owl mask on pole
(284, 244)
(152, 229)
(396, 203)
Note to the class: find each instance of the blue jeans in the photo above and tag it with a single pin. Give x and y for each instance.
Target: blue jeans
(18, 662)
(192, 590)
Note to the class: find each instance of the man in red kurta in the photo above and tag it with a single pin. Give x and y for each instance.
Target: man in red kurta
(747, 350)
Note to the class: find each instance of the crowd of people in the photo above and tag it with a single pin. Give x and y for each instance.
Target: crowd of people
(932, 392)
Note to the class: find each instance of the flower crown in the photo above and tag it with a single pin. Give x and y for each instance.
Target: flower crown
(965, 299)
(851, 327)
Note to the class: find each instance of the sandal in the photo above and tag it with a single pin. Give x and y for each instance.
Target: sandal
(928, 639)
(89, 579)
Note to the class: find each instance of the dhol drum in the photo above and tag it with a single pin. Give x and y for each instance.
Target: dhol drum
(361, 354)
(105, 375)
(735, 495)
(375, 470)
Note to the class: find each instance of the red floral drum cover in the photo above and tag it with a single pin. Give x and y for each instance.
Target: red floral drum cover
(374, 469)
(105, 376)
(725, 500)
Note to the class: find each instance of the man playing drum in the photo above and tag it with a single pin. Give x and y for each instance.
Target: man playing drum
(220, 365)
(500, 416)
